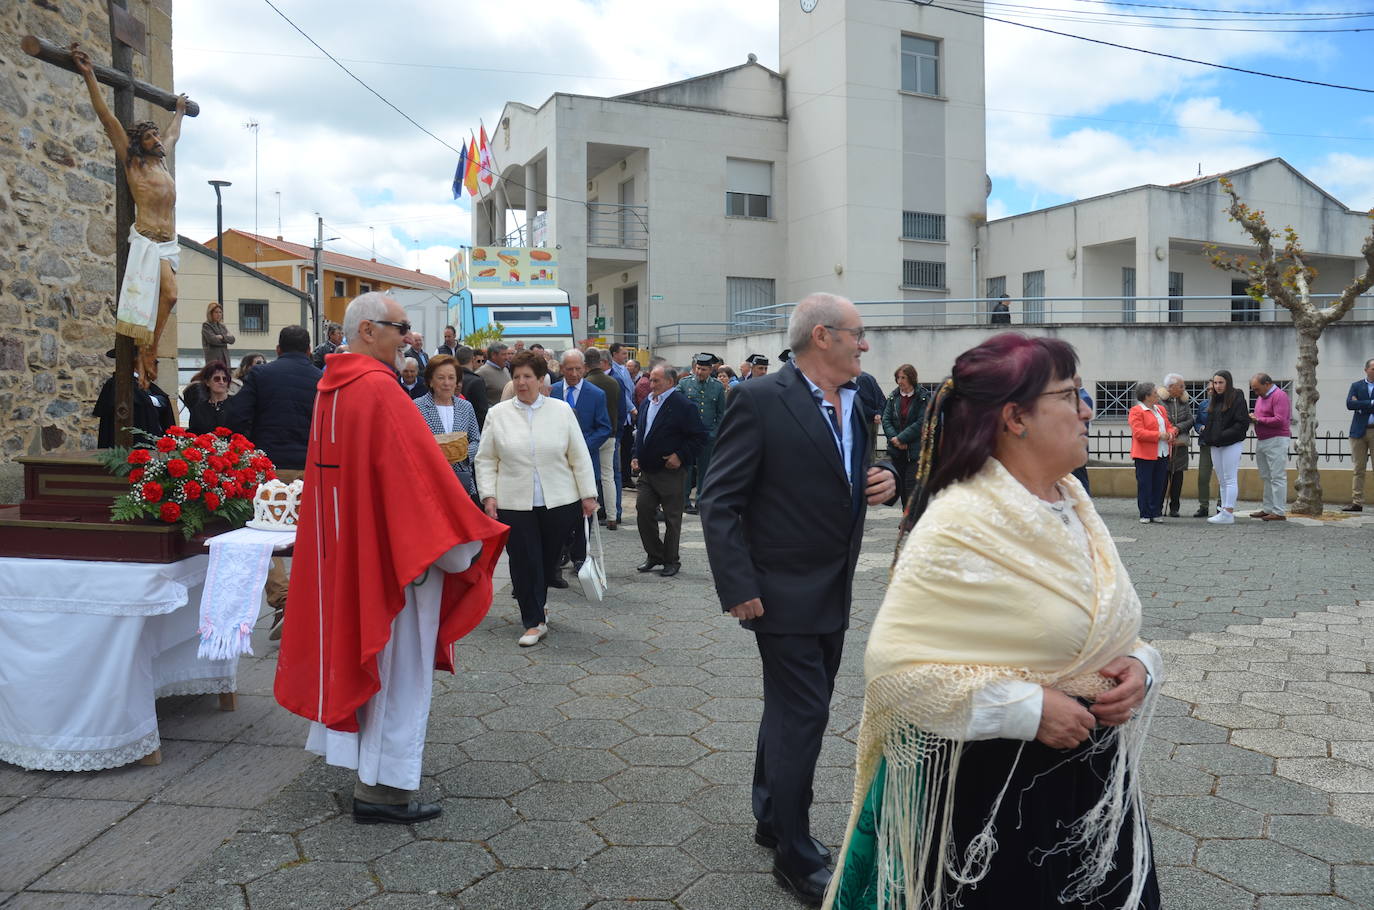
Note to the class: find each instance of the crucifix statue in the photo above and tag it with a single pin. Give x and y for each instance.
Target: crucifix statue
(145, 199)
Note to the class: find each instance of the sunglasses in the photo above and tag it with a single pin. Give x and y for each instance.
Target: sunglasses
(402, 327)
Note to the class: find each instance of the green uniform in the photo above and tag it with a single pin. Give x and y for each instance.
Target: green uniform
(709, 399)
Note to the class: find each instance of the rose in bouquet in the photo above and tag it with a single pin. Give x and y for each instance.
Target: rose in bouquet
(188, 480)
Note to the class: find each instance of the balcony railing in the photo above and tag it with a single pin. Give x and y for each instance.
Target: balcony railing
(536, 233)
(618, 226)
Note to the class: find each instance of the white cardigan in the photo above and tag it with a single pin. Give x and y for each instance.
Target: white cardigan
(505, 468)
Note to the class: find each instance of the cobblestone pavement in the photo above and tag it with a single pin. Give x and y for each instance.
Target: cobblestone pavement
(608, 767)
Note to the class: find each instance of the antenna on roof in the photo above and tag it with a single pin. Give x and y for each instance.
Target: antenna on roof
(1199, 168)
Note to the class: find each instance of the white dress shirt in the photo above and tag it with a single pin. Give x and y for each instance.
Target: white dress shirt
(655, 403)
(528, 410)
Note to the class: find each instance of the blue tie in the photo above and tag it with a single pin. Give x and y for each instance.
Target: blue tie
(572, 396)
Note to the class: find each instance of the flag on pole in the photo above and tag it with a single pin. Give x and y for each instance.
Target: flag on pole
(460, 172)
(470, 177)
(486, 159)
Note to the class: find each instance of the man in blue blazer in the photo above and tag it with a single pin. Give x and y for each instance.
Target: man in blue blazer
(669, 436)
(589, 404)
(1360, 399)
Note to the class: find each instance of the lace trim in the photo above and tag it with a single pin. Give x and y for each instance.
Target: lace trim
(40, 605)
(217, 686)
(97, 760)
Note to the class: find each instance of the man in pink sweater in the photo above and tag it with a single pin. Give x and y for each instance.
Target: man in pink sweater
(1271, 419)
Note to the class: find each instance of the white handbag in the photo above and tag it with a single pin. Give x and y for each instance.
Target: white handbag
(593, 571)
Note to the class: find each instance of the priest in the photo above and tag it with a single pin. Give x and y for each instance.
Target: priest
(393, 564)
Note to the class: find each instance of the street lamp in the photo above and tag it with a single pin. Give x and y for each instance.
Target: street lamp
(219, 240)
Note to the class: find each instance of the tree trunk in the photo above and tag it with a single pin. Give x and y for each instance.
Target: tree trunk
(1305, 395)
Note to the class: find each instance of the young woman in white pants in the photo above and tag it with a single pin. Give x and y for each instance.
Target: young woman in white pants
(1228, 422)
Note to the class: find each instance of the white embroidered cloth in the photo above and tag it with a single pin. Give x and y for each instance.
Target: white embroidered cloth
(239, 561)
(137, 313)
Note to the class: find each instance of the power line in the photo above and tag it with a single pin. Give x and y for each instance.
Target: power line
(1141, 50)
(1094, 18)
(1203, 9)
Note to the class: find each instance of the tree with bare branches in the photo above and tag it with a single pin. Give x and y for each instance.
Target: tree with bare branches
(1281, 272)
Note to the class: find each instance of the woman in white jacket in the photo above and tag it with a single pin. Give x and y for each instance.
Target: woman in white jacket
(534, 473)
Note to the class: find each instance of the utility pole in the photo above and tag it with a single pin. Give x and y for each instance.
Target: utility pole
(319, 278)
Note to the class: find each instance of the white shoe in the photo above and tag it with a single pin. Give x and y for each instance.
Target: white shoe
(1156, 521)
(532, 636)
(1223, 518)
(1144, 521)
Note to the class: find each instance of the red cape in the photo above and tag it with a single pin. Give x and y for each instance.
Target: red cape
(380, 505)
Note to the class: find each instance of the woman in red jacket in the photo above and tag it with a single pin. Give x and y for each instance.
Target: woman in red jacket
(1151, 436)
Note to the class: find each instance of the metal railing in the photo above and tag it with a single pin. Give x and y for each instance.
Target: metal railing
(533, 234)
(1020, 311)
(1114, 444)
(618, 226)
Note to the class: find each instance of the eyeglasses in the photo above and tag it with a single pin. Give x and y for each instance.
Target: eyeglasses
(1068, 396)
(402, 327)
(219, 377)
(859, 334)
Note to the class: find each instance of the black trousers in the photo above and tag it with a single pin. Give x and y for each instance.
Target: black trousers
(535, 543)
(627, 444)
(664, 489)
(798, 680)
(904, 460)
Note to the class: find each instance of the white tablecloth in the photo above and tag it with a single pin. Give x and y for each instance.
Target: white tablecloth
(85, 650)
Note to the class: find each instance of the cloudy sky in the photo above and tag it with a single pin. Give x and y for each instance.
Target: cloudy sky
(1065, 118)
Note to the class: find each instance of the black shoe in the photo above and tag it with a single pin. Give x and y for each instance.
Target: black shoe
(647, 566)
(1173, 513)
(558, 581)
(690, 510)
(381, 813)
(810, 888)
(1353, 508)
(769, 840)
(670, 569)
(1201, 512)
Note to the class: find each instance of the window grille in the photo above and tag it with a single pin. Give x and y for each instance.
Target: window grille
(1113, 399)
(1033, 289)
(253, 316)
(749, 294)
(924, 274)
(923, 226)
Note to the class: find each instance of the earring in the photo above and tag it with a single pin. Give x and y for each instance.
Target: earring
(1024, 433)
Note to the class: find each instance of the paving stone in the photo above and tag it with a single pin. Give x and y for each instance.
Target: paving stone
(729, 848)
(665, 721)
(247, 857)
(595, 706)
(1187, 730)
(68, 900)
(589, 732)
(1302, 902)
(1207, 816)
(1224, 759)
(133, 782)
(649, 824)
(561, 800)
(292, 811)
(1264, 866)
(1273, 795)
(344, 840)
(655, 784)
(1328, 774)
(39, 833)
(238, 776)
(16, 781)
(527, 889)
(1356, 753)
(486, 779)
(433, 866)
(1279, 743)
(503, 746)
(1169, 778)
(546, 844)
(313, 886)
(733, 709)
(451, 728)
(757, 891)
(1187, 888)
(148, 852)
(204, 896)
(1356, 884)
(1326, 838)
(1172, 848)
(638, 873)
(660, 750)
(576, 764)
(523, 718)
(394, 901)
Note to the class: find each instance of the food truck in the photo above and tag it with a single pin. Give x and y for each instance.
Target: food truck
(515, 286)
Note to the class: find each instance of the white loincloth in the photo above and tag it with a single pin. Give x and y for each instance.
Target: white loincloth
(137, 316)
(390, 742)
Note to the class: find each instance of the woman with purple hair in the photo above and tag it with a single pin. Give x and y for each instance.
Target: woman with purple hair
(1008, 693)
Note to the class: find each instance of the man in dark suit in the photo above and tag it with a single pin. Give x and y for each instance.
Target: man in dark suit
(589, 404)
(668, 438)
(274, 409)
(473, 388)
(153, 410)
(1360, 400)
(792, 457)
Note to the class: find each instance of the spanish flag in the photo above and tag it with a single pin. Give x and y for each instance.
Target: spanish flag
(470, 178)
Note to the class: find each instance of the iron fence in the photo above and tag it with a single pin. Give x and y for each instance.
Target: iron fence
(1114, 444)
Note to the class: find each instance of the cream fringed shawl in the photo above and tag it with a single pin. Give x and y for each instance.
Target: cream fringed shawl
(989, 586)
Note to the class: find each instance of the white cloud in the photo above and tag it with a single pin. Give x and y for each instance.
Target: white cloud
(1350, 178)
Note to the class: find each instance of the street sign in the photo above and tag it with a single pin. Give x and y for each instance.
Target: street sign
(599, 324)
(655, 296)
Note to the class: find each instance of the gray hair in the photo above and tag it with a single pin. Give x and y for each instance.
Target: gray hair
(367, 307)
(495, 348)
(1143, 390)
(813, 310)
(574, 353)
(669, 373)
(411, 361)
(1170, 379)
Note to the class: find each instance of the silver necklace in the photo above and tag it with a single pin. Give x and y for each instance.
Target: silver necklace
(1060, 508)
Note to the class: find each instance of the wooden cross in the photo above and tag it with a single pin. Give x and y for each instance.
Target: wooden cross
(126, 36)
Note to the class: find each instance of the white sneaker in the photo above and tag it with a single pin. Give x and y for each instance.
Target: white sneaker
(1223, 518)
(532, 636)
(1144, 521)
(1156, 521)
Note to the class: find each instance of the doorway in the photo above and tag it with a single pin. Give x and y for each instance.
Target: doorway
(629, 300)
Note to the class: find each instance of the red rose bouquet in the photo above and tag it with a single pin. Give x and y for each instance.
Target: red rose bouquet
(188, 480)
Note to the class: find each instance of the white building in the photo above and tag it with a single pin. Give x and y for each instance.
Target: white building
(859, 169)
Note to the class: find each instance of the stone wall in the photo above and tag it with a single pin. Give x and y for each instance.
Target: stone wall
(57, 243)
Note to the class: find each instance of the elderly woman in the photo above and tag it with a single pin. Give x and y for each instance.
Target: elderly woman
(1228, 423)
(902, 419)
(214, 335)
(1152, 439)
(534, 473)
(1008, 694)
(447, 412)
(1179, 409)
(208, 407)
